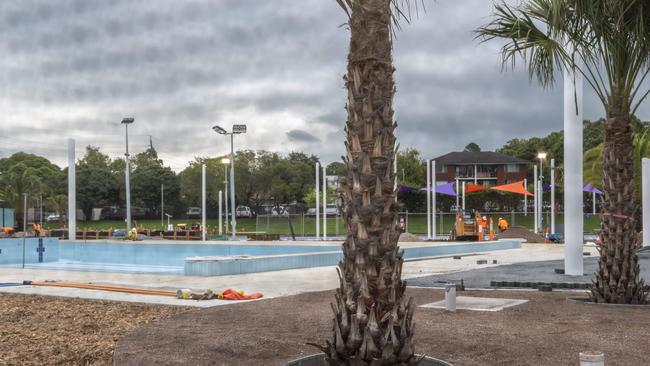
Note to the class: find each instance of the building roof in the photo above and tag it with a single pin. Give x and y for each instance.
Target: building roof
(478, 157)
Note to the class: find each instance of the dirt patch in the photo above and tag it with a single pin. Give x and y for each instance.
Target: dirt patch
(517, 232)
(547, 330)
(39, 330)
(408, 237)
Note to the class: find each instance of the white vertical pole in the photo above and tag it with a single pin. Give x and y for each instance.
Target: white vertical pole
(464, 196)
(127, 181)
(428, 199)
(593, 198)
(434, 184)
(162, 206)
(535, 199)
(457, 195)
(220, 212)
(203, 208)
(233, 217)
(573, 210)
(317, 185)
(324, 202)
(475, 174)
(526, 197)
(395, 174)
(552, 196)
(645, 164)
(72, 192)
(540, 215)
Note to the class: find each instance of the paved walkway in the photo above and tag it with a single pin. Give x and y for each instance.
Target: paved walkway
(523, 272)
(271, 284)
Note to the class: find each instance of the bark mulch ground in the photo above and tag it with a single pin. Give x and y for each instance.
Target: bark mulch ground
(547, 330)
(39, 330)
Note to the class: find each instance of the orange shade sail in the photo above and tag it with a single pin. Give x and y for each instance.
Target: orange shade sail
(469, 188)
(516, 187)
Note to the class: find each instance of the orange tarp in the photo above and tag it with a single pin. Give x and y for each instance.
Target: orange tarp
(469, 188)
(516, 187)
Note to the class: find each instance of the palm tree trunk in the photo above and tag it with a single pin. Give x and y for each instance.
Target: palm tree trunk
(372, 319)
(618, 278)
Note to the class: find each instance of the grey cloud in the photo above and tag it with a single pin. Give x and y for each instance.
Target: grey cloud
(301, 136)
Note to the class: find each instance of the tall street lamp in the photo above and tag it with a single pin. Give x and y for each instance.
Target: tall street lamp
(225, 162)
(126, 122)
(236, 130)
(541, 156)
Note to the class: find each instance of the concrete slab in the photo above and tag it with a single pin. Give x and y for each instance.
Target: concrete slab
(478, 303)
(271, 284)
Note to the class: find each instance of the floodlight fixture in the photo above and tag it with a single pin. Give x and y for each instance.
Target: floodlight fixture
(241, 128)
(219, 130)
(541, 155)
(225, 161)
(127, 120)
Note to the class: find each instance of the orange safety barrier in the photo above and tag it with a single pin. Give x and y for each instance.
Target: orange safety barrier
(231, 294)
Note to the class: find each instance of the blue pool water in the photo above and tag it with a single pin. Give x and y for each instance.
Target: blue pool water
(172, 258)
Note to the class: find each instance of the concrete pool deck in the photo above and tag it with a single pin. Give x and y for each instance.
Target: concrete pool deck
(271, 284)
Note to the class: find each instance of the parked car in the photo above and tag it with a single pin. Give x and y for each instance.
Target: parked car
(193, 212)
(311, 212)
(53, 218)
(332, 210)
(281, 212)
(243, 211)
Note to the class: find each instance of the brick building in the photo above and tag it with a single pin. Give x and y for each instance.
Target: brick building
(487, 168)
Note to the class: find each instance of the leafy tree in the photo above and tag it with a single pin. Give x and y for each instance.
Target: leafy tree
(97, 184)
(147, 177)
(472, 147)
(411, 172)
(612, 39)
(14, 183)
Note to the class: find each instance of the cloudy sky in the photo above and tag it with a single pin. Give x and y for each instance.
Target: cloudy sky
(73, 69)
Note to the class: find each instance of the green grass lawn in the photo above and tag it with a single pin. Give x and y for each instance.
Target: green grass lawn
(303, 225)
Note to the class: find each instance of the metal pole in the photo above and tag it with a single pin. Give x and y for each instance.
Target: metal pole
(535, 199)
(573, 197)
(457, 195)
(593, 195)
(220, 212)
(226, 194)
(317, 185)
(428, 199)
(72, 192)
(233, 219)
(540, 216)
(645, 184)
(127, 181)
(434, 184)
(324, 203)
(24, 225)
(464, 196)
(40, 200)
(526, 197)
(162, 205)
(552, 196)
(203, 208)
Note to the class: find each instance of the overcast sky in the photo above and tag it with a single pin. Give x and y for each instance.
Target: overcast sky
(73, 69)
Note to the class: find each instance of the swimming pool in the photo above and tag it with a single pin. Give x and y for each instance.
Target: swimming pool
(200, 259)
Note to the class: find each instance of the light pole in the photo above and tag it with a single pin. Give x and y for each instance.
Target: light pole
(126, 122)
(541, 156)
(236, 130)
(225, 162)
(162, 205)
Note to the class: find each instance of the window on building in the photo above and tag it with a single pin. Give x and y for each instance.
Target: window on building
(443, 169)
(512, 168)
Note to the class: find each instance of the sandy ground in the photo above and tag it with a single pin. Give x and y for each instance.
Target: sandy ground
(547, 330)
(37, 330)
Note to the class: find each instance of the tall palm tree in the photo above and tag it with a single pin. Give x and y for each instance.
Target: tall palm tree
(611, 38)
(372, 318)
